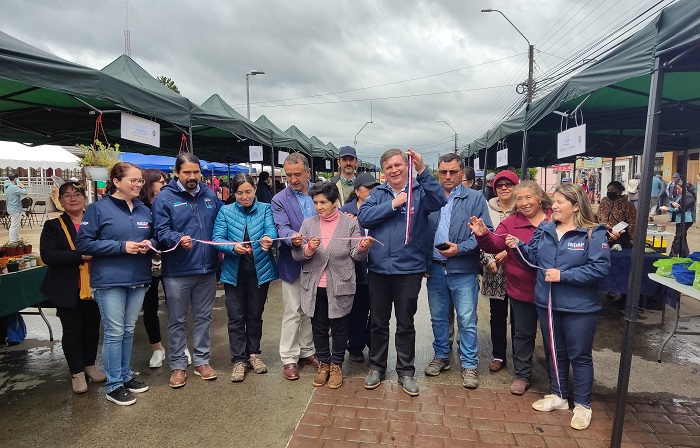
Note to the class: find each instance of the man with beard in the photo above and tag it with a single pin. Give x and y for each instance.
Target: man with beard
(186, 210)
(347, 164)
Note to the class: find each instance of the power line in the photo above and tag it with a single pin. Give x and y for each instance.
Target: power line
(389, 83)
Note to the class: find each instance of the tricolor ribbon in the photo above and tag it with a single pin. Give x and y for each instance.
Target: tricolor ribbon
(233, 243)
(409, 198)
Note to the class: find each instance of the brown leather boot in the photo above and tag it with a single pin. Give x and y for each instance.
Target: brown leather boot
(79, 384)
(336, 379)
(321, 377)
(95, 375)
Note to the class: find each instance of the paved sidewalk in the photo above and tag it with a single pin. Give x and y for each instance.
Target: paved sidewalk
(452, 416)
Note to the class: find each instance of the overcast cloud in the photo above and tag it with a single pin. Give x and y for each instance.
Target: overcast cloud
(308, 48)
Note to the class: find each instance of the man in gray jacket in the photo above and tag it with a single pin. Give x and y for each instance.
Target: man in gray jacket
(347, 164)
(14, 190)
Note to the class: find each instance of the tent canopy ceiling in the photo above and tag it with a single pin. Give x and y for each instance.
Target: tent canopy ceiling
(613, 95)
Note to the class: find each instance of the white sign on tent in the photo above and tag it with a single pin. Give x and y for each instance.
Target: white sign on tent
(476, 164)
(256, 153)
(571, 142)
(140, 130)
(502, 157)
(281, 157)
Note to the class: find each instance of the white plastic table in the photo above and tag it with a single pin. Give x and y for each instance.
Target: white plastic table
(683, 289)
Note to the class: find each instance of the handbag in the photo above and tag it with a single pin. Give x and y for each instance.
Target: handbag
(85, 292)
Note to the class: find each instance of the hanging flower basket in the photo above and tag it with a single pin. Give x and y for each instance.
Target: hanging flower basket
(98, 159)
(96, 172)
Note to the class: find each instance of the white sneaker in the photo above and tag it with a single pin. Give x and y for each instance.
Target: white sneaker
(582, 417)
(157, 359)
(189, 357)
(550, 403)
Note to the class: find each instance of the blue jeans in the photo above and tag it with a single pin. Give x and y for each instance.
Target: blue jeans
(119, 308)
(462, 290)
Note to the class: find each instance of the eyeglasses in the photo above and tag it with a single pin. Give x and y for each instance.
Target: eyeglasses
(73, 196)
(136, 181)
(452, 172)
(504, 185)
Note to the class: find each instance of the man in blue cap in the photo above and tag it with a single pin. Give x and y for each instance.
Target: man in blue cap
(347, 164)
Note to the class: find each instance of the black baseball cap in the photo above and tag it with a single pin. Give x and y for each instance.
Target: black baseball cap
(365, 180)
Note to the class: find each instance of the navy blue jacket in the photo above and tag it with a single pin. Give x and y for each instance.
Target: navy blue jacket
(177, 213)
(465, 205)
(106, 227)
(231, 224)
(583, 264)
(389, 226)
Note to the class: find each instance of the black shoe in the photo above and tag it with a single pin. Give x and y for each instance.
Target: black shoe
(121, 396)
(373, 379)
(410, 386)
(357, 357)
(135, 386)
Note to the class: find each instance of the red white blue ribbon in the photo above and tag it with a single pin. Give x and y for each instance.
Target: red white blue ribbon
(409, 199)
(233, 243)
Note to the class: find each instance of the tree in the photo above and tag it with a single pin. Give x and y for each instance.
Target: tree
(169, 83)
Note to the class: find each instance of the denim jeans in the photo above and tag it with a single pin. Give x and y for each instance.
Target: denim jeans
(463, 290)
(119, 307)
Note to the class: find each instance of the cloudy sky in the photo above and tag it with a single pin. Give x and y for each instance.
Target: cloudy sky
(328, 63)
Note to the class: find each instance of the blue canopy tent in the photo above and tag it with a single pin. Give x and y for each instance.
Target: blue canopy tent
(165, 163)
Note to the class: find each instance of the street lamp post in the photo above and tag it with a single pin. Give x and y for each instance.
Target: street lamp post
(247, 87)
(448, 124)
(530, 88)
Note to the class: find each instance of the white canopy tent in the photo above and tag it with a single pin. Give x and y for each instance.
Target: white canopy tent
(16, 155)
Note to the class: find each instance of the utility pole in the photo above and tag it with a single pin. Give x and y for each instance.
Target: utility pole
(530, 89)
(448, 124)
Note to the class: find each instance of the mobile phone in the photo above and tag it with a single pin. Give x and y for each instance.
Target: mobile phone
(442, 246)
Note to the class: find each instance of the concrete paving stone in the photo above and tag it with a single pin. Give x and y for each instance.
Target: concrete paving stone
(356, 402)
(499, 437)
(346, 422)
(430, 419)
(464, 434)
(400, 416)
(668, 428)
(374, 414)
(308, 431)
(655, 417)
(630, 445)
(678, 439)
(316, 420)
(363, 436)
(481, 403)
(559, 442)
(305, 442)
(455, 421)
(386, 404)
(556, 417)
(433, 430)
(403, 427)
(681, 419)
(452, 443)
(396, 439)
(330, 432)
(340, 444)
(432, 408)
(519, 428)
(450, 401)
(523, 417)
(374, 425)
(550, 430)
(592, 443)
(529, 440)
(580, 435)
(642, 437)
(459, 411)
(487, 425)
(693, 429)
(428, 441)
(343, 411)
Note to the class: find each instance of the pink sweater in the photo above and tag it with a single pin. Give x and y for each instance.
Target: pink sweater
(328, 226)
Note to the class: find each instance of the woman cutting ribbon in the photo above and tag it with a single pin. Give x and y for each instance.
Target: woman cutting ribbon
(572, 256)
(328, 278)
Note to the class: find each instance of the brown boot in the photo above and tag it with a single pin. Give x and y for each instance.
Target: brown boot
(95, 375)
(336, 379)
(321, 377)
(79, 384)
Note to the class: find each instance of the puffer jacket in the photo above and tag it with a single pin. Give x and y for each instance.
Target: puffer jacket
(231, 224)
(582, 260)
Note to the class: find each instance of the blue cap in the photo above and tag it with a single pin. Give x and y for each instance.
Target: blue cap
(347, 151)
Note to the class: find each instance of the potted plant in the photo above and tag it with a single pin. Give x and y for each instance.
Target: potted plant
(23, 247)
(10, 249)
(12, 265)
(98, 159)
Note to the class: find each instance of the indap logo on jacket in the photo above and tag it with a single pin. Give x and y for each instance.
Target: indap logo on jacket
(576, 246)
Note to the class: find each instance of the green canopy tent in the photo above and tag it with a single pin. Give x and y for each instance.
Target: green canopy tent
(47, 100)
(642, 97)
(612, 95)
(318, 152)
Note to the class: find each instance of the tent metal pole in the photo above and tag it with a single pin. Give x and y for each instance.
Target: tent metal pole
(272, 163)
(684, 179)
(189, 139)
(523, 163)
(483, 185)
(637, 263)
